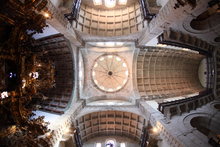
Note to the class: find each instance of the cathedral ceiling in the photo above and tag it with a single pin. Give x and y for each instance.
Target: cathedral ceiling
(117, 85)
(110, 123)
(59, 51)
(164, 73)
(161, 73)
(159, 70)
(90, 3)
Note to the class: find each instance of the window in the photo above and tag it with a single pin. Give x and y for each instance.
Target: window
(98, 145)
(110, 143)
(122, 144)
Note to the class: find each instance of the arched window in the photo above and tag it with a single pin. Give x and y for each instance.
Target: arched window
(122, 144)
(110, 143)
(98, 145)
(206, 20)
(206, 125)
(217, 39)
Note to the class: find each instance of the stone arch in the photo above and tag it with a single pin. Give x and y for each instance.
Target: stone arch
(217, 39)
(202, 124)
(206, 124)
(205, 21)
(217, 106)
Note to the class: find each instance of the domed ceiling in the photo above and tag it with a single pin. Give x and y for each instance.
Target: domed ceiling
(110, 73)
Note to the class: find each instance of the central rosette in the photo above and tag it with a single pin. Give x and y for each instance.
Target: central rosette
(110, 73)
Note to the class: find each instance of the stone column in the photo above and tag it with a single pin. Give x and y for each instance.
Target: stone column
(187, 107)
(178, 110)
(77, 73)
(215, 73)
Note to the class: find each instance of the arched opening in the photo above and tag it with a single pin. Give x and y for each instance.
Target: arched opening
(201, 124)
(217, 106)
(217, 39)
(110, 143)
(206, 20)
(208, 126)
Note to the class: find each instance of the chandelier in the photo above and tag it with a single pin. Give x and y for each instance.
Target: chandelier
(110, 3)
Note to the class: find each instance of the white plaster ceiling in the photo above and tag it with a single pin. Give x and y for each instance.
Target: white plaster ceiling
(110, 73)
(109, 103)
(91, 89)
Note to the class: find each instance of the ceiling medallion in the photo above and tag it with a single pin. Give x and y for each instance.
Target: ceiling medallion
(110, 3)
(110, 73)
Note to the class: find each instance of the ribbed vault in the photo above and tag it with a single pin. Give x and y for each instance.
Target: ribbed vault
(163, 73)
(110, 123)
